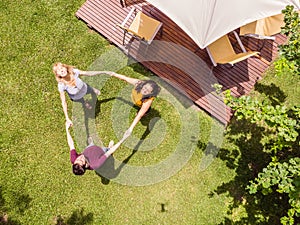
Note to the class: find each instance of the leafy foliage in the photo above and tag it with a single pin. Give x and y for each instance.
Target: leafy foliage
(285, 177)
(289, 60)
(280, 128)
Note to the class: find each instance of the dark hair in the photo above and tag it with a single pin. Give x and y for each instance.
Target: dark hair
(78, 169)
(154, 85)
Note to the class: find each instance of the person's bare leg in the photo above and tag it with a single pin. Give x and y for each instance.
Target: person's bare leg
(97, 92)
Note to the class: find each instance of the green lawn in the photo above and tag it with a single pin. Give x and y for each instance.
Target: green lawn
(37, 185)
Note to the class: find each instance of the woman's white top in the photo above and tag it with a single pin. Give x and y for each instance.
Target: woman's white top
(76, 92)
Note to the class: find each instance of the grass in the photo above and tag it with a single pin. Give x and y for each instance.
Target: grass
(279, 89)
(37, 185)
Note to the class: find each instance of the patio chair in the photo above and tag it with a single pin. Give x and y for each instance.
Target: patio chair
(142, 27)
(264, 28)
(123, 3)
(221, 51)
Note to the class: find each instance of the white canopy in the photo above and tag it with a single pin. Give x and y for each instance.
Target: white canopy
(207, 20)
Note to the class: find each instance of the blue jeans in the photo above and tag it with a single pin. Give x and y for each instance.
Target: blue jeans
(105, 149)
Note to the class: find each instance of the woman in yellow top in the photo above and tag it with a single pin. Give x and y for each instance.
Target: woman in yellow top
(143, 94)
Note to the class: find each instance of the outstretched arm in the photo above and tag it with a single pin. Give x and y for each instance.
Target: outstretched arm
(90, 73)
(64, 106)
(129, 80)
(145, 107)
(73, 153)
(103, 158)
(113, 148)
(69, 137)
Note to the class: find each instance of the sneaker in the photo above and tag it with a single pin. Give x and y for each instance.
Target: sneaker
(90, 140)
(111, 143)
(97, 92)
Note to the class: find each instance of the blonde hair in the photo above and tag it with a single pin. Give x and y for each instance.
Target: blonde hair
(69, 78)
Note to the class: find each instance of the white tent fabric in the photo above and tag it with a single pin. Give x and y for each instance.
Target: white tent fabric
(207, 20)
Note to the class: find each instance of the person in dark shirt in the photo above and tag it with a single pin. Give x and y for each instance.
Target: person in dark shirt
(92, 157)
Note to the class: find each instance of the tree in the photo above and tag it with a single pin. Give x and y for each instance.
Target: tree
(280, 127)
(289, 60)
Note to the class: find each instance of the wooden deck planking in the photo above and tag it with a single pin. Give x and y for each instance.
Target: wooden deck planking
(102, 16)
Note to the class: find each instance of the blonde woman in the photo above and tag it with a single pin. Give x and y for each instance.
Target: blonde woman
(68, 81)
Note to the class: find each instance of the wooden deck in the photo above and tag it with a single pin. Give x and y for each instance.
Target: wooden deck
(175, 57)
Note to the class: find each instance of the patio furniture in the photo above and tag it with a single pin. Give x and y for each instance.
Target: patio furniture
(221, 51)
(123, 3)
(263, 28)
(143, 28)
(243, 76)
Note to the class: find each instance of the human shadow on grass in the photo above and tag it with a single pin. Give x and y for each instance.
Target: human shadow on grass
(108, 170)
(273, 92)
(99, 103)
(19, 202)
(78, 217)
(247, 162)
(149, 119)
(91, 114)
